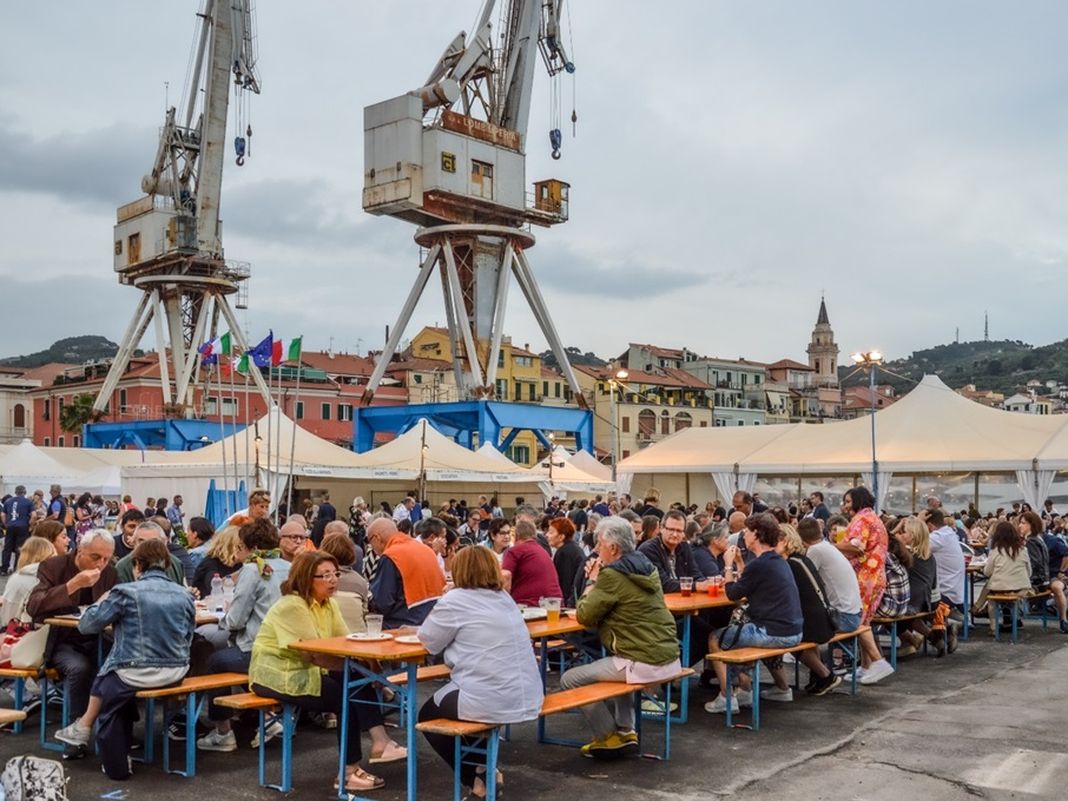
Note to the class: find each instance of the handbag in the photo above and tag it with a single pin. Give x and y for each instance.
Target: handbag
(832, 614)
(28, 653)
(739, 617)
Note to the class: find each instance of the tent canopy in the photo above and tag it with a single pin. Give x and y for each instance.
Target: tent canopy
(28, 465)
(931, 429)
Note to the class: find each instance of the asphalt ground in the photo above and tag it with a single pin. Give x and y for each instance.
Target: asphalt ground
(986, 722)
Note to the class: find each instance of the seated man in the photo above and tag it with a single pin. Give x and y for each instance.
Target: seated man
(65, 583)
(529, 572)
(624, 602)
(153, 621)
(150, 530)
(670, 552)
(407, 580)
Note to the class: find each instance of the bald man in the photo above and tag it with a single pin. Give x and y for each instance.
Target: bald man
(292, 539)
(407, 581)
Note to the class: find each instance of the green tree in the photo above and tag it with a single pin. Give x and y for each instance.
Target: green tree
(77, 413)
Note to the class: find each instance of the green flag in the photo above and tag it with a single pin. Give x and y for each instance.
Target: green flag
(242, 365)
(224, 344)
(294, 350)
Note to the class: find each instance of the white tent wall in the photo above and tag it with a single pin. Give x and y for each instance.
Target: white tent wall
(374, 491)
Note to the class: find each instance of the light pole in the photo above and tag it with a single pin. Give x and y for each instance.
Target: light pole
(613, 387)
(552, 463)
(870, 360)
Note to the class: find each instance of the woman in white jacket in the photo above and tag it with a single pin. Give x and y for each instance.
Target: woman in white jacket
(494, 676)
(13, 603)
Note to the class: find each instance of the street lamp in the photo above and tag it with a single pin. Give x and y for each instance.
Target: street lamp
(552, 463)
(613, 386)
(870, 361)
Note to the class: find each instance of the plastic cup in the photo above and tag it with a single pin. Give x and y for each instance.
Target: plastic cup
(552, 609)
(686, 586)
(374, 625)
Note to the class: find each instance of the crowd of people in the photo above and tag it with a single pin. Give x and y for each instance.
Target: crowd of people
(458, 574)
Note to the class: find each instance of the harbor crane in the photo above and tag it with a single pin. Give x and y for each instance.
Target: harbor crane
(168, 243)
(450, 156)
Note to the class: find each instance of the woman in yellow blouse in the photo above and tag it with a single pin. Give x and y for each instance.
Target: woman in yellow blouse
(308, 611)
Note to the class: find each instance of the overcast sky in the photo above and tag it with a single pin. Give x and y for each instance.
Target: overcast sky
(732, 161)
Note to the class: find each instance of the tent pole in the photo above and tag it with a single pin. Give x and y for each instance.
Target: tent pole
(914, 494)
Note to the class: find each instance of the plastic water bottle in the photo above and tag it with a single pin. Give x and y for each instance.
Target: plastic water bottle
(228, 587)
(215, 600)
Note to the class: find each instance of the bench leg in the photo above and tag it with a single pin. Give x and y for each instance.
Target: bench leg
(756, 696)
(667, 724)
(20, 689)
(492, 744)
(56, 687)
(684, 694)
(1015, 620)
(728, 691)
(893, 645)
(150, 730)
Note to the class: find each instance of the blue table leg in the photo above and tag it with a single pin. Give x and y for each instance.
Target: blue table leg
(458, 756)
(344, 729)
(413, 762)
(756, 696)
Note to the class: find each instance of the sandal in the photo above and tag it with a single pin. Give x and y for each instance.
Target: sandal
(392, 753)
(360, 780)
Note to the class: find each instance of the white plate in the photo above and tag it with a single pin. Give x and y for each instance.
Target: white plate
(363, 636)
(407, 639)
(533, 613)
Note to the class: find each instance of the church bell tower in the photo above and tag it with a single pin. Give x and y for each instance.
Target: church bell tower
(822, 350)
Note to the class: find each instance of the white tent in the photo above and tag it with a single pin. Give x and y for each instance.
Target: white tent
(28, 465)
(585, 461)
(489, 451)
(566, 477)
(930, 430)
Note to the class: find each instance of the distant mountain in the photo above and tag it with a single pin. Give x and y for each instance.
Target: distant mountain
(1004, 366)
(575, 356)
(72, 350)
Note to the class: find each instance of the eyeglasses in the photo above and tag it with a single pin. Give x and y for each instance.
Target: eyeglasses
(328, 576)
(294, 536)
(674, 530)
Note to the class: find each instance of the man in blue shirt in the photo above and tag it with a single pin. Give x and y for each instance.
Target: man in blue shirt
(16, 517)
(1058, 566)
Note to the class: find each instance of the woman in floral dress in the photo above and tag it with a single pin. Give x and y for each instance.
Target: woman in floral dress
(864, 544)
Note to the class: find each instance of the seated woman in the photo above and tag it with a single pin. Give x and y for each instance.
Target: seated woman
(152, 620)
(307, 611)
(1030, 527)
(913, 534)
(55, 532)
(775, 617)
(259, 586)
(499, 537)
(225, 555)
(817, 626)
(17, 590)
(1007, 568)
(352, 588)
(486, 645)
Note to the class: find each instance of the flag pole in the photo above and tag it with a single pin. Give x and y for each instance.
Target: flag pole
(293, 437)
(233, 432)
(248, 466)
(222, 437)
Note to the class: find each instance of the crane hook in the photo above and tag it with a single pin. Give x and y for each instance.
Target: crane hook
(239, 149)
(555, 140)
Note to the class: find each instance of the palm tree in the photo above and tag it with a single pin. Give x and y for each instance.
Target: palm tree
(77, 413)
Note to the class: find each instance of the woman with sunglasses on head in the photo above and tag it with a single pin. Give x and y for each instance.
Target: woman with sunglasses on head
(312, 682)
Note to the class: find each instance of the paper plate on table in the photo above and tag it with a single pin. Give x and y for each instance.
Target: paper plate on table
(407, 639)
(363, 636)
(533, 613)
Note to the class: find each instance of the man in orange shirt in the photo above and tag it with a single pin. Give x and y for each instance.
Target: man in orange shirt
(408, 581)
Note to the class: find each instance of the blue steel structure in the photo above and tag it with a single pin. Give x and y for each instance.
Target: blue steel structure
(463, 419)
(169, 435)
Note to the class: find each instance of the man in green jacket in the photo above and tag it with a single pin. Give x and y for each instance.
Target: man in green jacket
(624, 602)
(148, 530)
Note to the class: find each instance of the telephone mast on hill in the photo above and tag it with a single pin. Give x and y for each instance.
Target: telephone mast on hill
(168, 244)
(450, 156)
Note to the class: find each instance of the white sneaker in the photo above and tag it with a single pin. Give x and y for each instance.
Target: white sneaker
(719, 705)
(775, 694)
(876, 672)
(270, 731)
(215, 741)
(789, 659)
(744, 697)
(74, 735)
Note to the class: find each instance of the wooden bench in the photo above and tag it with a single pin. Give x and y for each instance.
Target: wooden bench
(1013, 599)
(736, 657)
(424, 673)
(269, 710)
(554, 703)
(46, 677)
(892, 623)
(192, 689)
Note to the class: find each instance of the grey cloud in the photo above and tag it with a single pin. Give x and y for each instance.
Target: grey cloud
(101, 166)
(564, 269)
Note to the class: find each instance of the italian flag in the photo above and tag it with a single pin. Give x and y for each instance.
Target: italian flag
(215, 348)
(292, 354)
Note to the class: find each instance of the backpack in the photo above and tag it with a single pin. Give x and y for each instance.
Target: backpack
(29, 778)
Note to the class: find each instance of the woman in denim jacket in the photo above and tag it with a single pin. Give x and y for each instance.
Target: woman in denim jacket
(153, 620)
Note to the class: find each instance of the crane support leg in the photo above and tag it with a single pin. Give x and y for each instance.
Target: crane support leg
(454, 337)
(501, 302)
(530, 289)
(134, 331)
(461, 317)
(402, 323)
